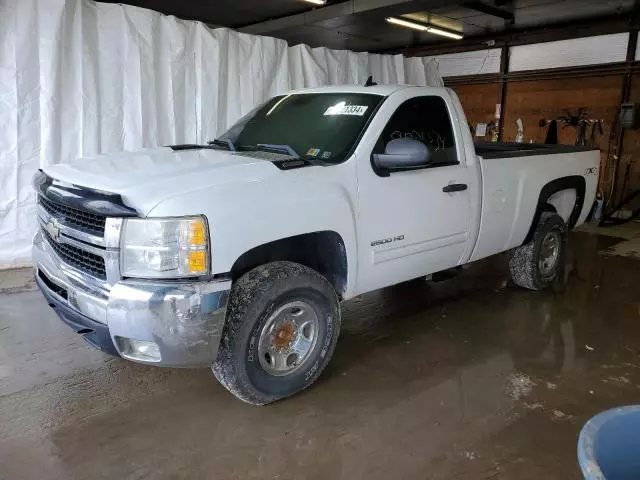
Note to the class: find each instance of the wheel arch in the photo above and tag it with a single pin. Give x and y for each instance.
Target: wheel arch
(323, 251)
(572, 182)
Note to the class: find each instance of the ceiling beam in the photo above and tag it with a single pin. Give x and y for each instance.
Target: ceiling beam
(490, 10)
(350, 7)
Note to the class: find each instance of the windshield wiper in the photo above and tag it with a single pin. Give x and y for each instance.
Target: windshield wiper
(224, 142)
(272, 147)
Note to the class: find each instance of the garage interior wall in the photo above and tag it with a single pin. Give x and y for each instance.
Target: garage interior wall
(79, 78)
(628, 176)
(546, 80)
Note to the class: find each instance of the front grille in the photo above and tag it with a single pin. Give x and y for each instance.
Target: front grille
(74, 217)
(78, 258)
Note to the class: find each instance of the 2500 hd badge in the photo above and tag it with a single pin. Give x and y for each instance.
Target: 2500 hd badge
(397, 238)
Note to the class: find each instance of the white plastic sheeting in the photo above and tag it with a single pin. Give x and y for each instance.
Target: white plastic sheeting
(475, 62)
(569, 53)
(79, 78)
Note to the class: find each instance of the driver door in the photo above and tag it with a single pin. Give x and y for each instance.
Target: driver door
(414, 222)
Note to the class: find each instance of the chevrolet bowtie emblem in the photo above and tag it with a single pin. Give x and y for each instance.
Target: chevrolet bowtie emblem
(53, 229)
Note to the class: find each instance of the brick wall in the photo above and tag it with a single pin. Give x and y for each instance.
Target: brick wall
(479, 101)
(546, 99)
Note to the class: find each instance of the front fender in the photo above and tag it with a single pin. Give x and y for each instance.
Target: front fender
(242, 217)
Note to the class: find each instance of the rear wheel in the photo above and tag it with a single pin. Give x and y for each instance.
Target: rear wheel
(538, 264)
(282, 326)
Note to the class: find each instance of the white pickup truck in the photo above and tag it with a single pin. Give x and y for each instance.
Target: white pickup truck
(236, 255)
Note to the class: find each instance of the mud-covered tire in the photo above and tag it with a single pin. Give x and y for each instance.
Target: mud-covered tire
(254, 299)
(525, 262)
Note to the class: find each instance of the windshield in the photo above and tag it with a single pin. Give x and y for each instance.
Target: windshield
(323, 126)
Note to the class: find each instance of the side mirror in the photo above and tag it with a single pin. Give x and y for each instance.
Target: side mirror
(403, 153)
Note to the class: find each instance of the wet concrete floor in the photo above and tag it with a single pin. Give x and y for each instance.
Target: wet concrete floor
(468, 378)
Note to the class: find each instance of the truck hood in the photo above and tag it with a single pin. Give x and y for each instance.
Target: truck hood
(146, 177)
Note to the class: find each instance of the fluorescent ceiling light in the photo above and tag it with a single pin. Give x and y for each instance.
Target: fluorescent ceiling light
(316, 2)
(407, 23)
(445, 33)
(424, 28)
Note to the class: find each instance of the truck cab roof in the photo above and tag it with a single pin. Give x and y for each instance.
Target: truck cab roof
(382, 90)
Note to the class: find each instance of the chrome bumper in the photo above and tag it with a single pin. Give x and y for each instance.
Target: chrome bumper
(184, 320)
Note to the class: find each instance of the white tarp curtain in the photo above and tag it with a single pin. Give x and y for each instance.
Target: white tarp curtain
(79, 78)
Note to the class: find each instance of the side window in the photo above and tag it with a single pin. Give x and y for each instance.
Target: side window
(425, 119)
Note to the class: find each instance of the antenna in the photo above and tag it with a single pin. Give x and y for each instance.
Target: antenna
(370, 82)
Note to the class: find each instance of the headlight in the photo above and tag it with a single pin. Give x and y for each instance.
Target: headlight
(165, 248)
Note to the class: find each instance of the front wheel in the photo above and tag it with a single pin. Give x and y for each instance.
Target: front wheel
(538, 264)
(283, 322)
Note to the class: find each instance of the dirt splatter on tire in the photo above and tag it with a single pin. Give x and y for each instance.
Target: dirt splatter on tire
(253, 298)
(525, 261)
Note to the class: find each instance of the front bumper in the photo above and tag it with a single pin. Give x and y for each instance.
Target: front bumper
(184, 320)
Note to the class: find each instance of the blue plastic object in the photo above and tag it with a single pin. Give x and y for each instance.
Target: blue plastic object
(609, 445)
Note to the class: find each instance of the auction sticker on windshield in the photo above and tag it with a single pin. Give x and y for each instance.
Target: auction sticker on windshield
(343, 109)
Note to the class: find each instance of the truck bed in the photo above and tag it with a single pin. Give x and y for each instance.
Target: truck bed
(507, 150)
(513, 177)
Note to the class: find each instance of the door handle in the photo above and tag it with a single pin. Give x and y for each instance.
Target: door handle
(454, 187)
